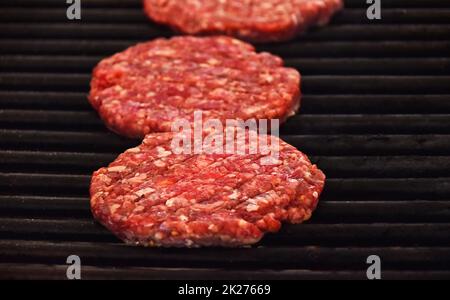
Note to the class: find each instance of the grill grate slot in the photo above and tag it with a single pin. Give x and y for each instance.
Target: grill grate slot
(334, 166)
(145, 32)
(119, 255)
(330, 212)
(323, 84)
(375, 116)
(311, 104)
(312, 66)
(414, 48)
(137, 3)
(134, 15)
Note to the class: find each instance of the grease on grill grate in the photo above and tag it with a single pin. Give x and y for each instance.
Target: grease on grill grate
(375, 116)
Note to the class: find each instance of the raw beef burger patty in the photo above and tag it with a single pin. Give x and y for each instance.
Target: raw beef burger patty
(259, 21)
(149, 86)
(152, 197)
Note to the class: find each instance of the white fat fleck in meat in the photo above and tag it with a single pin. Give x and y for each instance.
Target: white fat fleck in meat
(254, 109)
(179, 201)
(118, 88)
(213, 61)
(159, 163)
(270, 161)
(183, 218)
(130, 198)
(105, 179)
(242, 223)
(316, 195)
(219, 92)
(114, 208)
(162, 152)
(159, 236)
(138, 178)
(134, 150)
(252, 207)
(213, 228)
(117, 169)
(234, 195)
(170, 202)
(222, 81)
(255, 167)
(139, 209)
(254, 204)
(96, 197)
(267, 78)
(144, 192)
(164, 52)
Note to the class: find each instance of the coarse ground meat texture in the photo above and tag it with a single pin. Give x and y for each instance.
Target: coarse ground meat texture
(152, 197)
(149, 86)
(256, 21)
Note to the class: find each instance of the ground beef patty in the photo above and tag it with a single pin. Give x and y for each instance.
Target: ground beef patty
(147, 87)
(152, 197)
(259, 21)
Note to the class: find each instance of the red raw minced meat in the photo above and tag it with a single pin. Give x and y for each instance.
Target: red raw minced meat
(151, 196)
(149, 86)
(257, 21)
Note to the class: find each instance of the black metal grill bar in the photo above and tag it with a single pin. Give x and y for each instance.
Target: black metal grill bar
(137, 3)
(306, 124)
(329, 212)
(320, 145)
(323, 84)
(413, 48)
(376, 234)
(117, 255)
(396, 16)
(55, 272)
(44, 100)
(135, 31)
(337, 188)
(333, 166)
(88, 4)
(134, 15)
(311, 104)
(383, 48)
(375, 116)
(327, 235)
(77, 141)
(309, 66)
(371, 124)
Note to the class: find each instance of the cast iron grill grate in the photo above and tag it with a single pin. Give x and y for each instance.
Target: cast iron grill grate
(375, 117)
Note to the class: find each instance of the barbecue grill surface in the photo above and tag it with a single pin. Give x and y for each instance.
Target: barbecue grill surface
(375, 117)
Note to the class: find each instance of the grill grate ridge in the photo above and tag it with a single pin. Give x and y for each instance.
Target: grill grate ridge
(375, 117)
